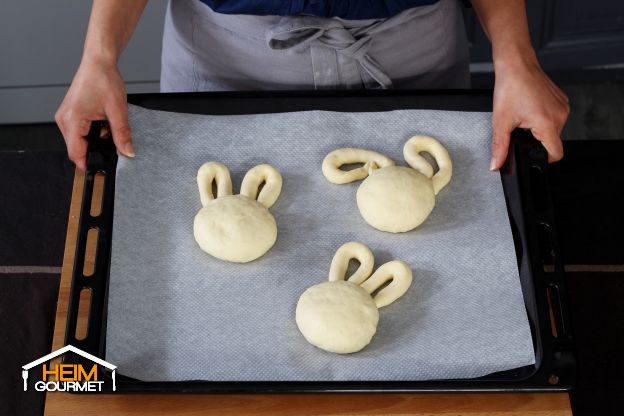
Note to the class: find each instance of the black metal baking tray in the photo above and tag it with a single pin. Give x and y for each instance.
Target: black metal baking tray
(525, 182)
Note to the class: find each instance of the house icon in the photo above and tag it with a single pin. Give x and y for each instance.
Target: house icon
(62, 351)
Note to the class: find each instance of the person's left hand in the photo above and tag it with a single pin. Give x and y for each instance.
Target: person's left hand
(525, 97)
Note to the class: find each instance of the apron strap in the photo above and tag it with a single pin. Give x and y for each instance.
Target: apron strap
(325, 38)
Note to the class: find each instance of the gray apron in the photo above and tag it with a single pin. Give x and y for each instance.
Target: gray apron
(421, 48)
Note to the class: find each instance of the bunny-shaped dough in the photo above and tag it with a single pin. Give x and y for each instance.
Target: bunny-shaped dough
(393, 198)
(341, 315)
(237, 228)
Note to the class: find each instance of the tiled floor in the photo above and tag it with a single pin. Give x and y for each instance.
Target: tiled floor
(35, 190)
(27, 310)
(35, 186)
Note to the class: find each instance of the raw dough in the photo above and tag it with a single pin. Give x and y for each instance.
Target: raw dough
(346, 253)
(236, 228)
(385, 204)
(341, 316)
(418, 144)
(372, 160)
(394, 198)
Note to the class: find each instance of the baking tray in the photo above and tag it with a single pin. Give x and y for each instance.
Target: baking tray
(528, 200)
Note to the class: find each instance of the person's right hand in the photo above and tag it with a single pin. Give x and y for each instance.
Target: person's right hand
(96, 93)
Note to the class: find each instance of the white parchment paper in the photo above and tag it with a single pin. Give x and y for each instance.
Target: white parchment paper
(176, 313)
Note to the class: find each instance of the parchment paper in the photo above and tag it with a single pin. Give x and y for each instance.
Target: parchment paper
(176, 313)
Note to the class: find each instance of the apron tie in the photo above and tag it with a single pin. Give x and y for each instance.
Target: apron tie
(330, 43)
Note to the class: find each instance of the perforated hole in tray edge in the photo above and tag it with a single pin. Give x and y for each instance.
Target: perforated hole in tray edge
(82, 319)
(96, 197)
(90, 256)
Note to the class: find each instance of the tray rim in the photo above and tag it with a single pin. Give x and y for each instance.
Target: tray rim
(559, 358)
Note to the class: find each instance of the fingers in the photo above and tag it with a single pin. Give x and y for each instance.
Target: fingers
(74, 132)
(558, 92)
(104, 131)
(548, 130)
(525, 97)
(117, 115)
(552, 143)
(77, 152)
(559, 96)
(503, 127)
(96, 93)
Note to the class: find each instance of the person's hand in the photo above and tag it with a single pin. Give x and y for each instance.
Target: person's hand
(525, 97)
(97, 92)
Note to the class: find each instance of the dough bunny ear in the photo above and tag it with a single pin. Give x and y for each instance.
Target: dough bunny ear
(418, 144)
(272, 180)
(333, 161)
(213, 172)
(340, 263)
(401, 276)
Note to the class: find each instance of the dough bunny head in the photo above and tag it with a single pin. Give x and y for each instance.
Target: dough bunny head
(341, 315)
(393, 198)
(236, 228)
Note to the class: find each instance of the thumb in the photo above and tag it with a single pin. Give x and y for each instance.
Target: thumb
(117, 115)
(500, 141)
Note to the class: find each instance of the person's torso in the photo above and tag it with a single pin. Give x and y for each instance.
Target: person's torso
(345, 9)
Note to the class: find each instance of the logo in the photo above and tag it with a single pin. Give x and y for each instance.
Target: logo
(69, 377)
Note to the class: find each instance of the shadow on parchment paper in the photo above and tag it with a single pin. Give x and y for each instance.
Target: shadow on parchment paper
(466, 205)
(394, 330)
(382, 257)
(292, 225)
(244, 165)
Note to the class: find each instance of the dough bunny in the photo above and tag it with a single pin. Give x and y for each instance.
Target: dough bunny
(341, 315)
(236, 228)
(393, 198)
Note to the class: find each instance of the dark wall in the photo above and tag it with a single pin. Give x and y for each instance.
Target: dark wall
(567, 34)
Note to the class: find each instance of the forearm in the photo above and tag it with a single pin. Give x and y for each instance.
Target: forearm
(505, 24)
(524, 96)
(111, 25)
